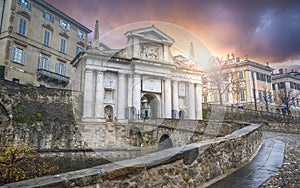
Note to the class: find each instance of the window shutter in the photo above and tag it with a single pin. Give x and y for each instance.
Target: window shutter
(52, 18)
(68, 27)
(60, 23)
(40, 63)
(65, 69)
(44, 14)
(24, 57)
(49, 64)
(13, 53)
(56, 67)
(84, 36)
(29, 6)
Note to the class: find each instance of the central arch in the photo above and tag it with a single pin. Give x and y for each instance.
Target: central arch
(165, 142)
(149, 106)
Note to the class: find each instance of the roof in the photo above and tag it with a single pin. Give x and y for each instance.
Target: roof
(151, 33)
(62, 14)
(294, 75)
(251, 63)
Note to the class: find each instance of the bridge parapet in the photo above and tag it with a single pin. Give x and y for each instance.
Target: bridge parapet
(194, 165)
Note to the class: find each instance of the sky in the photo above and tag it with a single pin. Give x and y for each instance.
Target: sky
(264, 30)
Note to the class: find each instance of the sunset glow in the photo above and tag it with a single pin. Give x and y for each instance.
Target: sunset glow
(266, 31)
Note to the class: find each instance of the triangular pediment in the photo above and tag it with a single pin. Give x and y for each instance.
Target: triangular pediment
(150, 34)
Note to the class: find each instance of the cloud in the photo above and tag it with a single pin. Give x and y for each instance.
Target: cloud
(266, 30)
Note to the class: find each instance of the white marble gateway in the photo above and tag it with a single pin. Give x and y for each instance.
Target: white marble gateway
(142, 81)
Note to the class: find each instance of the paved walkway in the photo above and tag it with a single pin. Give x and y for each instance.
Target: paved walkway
(267, 162)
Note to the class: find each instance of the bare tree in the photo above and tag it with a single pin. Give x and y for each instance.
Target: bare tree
(218, 75)
(287, 98)
(266, 98)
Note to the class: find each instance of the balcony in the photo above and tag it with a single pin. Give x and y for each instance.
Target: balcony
(53, 77)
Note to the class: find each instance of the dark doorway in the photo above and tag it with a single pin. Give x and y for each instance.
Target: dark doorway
(165, 142)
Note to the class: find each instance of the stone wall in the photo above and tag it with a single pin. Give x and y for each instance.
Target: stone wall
(288, 127)
(41, 117)
(271, 121)
(194, 165)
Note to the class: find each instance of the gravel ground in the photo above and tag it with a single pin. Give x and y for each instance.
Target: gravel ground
(289, 174)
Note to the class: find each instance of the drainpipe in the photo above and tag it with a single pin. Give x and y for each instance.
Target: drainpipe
(3, 8)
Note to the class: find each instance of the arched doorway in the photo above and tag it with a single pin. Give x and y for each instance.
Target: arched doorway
(181, 114)
(165, 142)
(149, 107)
(109, 113)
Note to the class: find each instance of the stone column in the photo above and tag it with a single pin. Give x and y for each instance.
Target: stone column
(137, 93)
(175, 98)
(191, 101)
(129, 90)
(276, 91)
(121, 96)
(249, 87)
(256, 87)
(99, 107)
(88, 95)
(168, 96)
(198, 101)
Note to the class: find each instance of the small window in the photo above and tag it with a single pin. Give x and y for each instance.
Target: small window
(205, 98)
(61, 69)
(25, 4)
(48, 16)
(242, 96)
(18, 55)
(64, 25)
(63, 45)
(216, 98)
(44, 63)
(22, 27)
(241, 75)
(81, 35)
(78, 50)
(46, 38)
(16, 80)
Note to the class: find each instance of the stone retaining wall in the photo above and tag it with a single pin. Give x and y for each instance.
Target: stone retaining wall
(288, 127)
(194, 165)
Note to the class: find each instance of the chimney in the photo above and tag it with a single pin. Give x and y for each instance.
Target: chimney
(96, 42)
(237, 59)
(267, 63)
(280, 71)
(285, 70)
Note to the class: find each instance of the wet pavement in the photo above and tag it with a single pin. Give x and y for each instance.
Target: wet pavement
(266, 163)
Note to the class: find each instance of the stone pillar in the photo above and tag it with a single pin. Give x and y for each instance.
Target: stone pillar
(276, 91)
(256, 87)
(121, 96)
(137, 93)
(129, 90)
(168, 96)
(175, 99)
(198, 102)
(99, 107)
(249, 87)
(191, 101)
(88, 95)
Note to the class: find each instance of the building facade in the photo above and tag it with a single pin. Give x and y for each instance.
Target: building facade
(241, 83)
(286, 87)
(139, 82)
(38, 42)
